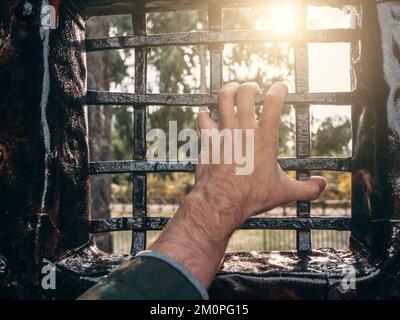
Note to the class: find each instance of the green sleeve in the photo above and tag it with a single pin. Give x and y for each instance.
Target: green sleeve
(147, 278)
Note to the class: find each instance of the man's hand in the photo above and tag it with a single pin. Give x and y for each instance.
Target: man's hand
(221, 200)
(268, 185)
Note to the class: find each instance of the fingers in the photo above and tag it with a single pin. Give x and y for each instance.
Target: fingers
(246, 96)
(307, 190)
(226, 100)
(204, 120)
(245, 115)
(272, 109)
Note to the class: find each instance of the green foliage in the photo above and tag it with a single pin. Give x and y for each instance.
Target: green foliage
(339, 185)
(169, 188)
(117, 67)
(332, 137)
(122, 135)
(174, 63)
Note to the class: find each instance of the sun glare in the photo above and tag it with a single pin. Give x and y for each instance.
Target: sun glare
(279, 18)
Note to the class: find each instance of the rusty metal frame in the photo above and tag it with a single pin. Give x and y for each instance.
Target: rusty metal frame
(215, 38)
(140, 116)
(105, 7)
(303, 144)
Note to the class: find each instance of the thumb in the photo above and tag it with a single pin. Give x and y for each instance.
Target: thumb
(308, 190)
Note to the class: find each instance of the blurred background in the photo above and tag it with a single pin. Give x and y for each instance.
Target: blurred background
(186, 70)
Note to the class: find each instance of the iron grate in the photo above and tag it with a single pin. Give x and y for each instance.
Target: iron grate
(215, 38)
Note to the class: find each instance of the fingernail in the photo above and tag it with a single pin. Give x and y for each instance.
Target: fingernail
(322, 184)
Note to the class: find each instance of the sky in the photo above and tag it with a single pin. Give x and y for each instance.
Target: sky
(329, 63)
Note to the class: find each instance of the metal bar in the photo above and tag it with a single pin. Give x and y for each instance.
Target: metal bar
(219, 37)
(215, 38)
(216, 49)
(357, 56)
(175, 99)
(139, 179)
(107, 7)
(303, 236)
(289, 164)
(141, 223)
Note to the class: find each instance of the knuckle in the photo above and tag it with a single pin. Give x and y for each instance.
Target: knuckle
(315, 192)
(225, 93)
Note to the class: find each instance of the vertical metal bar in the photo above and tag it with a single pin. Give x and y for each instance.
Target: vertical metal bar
(140, 113)
(355, 61)
(215, 24)
(303, 237)
(355, 69)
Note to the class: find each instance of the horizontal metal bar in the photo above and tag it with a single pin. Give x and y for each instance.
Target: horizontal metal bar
(176, 99)
(140, 223)
(219, 37)
(136, 166)
(316, 223)
(114, 7)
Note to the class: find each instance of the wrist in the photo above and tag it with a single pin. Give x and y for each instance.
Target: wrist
(205, 218)
(222, 206)
(198, 234)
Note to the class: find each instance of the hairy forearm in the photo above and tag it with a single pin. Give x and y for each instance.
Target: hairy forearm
(198, 234)
(221, 199)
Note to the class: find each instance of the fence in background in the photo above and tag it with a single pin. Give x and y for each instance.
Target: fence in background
(246, 240)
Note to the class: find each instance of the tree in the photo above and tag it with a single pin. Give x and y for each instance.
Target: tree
(332, 138)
